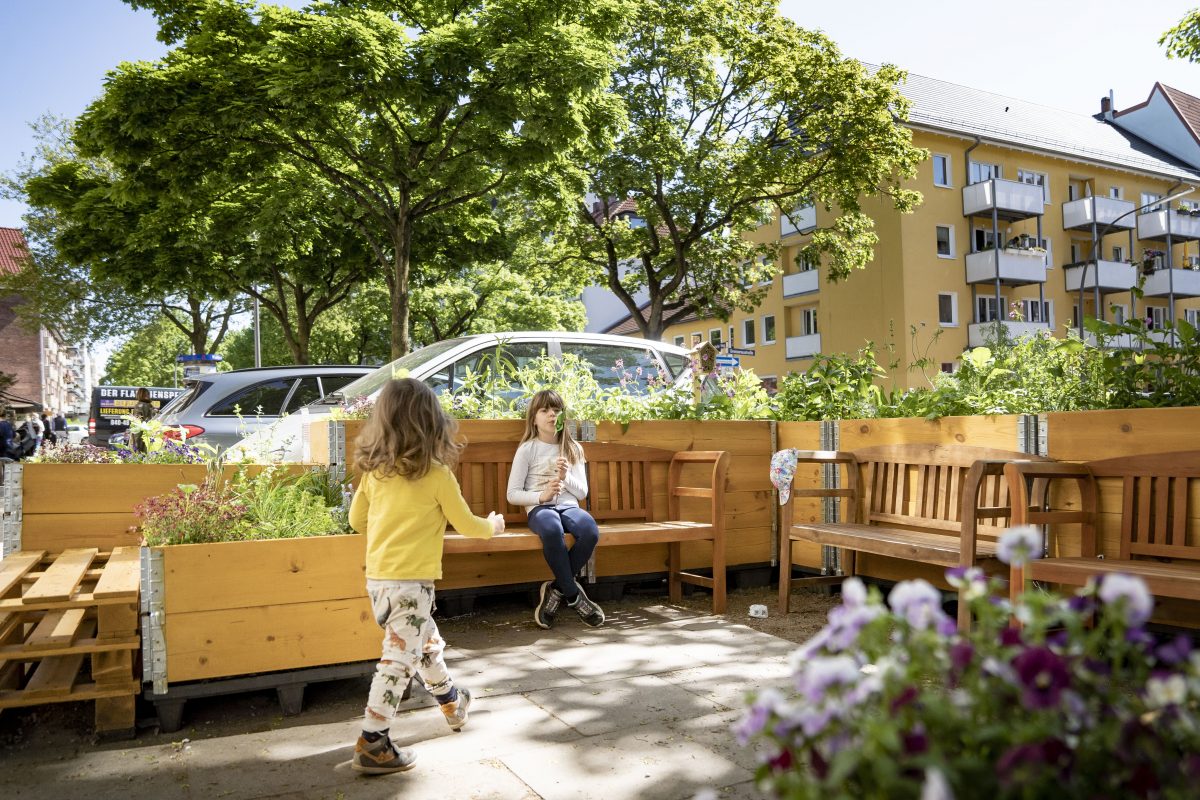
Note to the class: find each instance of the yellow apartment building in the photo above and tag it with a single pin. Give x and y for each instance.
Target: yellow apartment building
(1024, 206)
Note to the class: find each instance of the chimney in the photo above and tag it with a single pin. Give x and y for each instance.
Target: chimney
(1105, 105)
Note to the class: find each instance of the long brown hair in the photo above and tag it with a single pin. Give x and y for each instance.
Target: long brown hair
(406, 432)
(548, 398)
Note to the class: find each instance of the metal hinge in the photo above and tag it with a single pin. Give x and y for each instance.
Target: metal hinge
(10, 522)
(154, 638)
(337, 449)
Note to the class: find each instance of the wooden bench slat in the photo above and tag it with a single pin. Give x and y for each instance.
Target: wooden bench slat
(14, 568)
(611, 534)
(912, 545)
(62, 577)
(122, 574)
(57, 629)
(1171, 580)
(691, 491)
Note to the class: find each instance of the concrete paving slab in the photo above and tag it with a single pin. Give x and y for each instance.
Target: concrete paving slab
(622, 704)
(727, 684)
(641, 764)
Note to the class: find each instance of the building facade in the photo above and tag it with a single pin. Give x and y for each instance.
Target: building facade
(1030, 219)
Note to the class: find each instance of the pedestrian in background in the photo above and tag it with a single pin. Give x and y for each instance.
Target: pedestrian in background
(143, 411)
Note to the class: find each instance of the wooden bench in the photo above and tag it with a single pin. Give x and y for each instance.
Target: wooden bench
(620, 498)
(937, 504)
(1156, 498)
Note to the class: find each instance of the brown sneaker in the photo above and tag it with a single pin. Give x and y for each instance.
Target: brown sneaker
(381, 757)
(456, 710)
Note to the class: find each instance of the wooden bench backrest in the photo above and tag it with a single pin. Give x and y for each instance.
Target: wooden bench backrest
(619, 480)
(1156, 502)
(921, 485)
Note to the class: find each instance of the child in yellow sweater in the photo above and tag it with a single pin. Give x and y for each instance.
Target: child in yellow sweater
(405, 455)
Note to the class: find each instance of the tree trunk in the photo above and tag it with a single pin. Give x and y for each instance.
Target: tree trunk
(402, 245)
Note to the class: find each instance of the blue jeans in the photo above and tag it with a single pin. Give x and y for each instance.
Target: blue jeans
(550, 523)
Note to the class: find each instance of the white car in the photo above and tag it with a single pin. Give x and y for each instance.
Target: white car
(76, 433)
(444, 366)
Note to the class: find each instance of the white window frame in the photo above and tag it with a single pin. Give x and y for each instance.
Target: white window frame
(980, 171)
(949, 240)
(768, 338)
(953, 323)
(1118, 252)
(804, 265)
(953, 365)
(979, 233)
(679, 340)
(989, 301)
(1116, 192)
(714, 336)
(1159, 315)
(1120, 312)
(808, 322)
(697, 338)
(947, 171)
(1192, 315)
(730, 341)
(748, 337)
(1028, 306)
(1147, 199)
(1034, 178)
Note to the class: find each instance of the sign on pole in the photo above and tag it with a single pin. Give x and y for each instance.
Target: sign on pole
(740, 351)
(728, 362)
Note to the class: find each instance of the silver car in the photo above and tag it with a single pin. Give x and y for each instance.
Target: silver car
(446, 365)
(222, 408)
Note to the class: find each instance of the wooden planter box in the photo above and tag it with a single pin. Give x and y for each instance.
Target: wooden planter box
(239, 608)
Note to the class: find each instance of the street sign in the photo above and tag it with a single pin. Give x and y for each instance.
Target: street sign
(740, 351)
(728, 362)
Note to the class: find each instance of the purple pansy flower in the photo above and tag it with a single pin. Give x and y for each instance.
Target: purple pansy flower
(1043, 675)
(1019, 545)
(1130, 591)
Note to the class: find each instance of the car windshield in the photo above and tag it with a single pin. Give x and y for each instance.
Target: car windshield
(370, 383)
(182, 400)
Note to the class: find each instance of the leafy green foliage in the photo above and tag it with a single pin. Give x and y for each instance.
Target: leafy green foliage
(1154, 369)
(835, 387)
(147, 357)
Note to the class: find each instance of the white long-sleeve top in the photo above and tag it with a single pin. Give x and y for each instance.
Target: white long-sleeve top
(533, 468)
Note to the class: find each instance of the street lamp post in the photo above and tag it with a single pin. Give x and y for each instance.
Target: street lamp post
(1104, 231)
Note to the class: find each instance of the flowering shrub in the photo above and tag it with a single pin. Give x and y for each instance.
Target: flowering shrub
(192, 514)
(164, 445)
(892, 701)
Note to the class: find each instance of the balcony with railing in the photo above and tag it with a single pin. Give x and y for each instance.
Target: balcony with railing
(1107, 276)
(803, 346)
(978, 333)
(1014, 266)
(1012, 200)
(800, 220)
(799, 283)
(1081, 214)
(1177, 282)
(1158, 224)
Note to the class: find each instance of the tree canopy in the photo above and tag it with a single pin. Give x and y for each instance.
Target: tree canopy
(734, 111)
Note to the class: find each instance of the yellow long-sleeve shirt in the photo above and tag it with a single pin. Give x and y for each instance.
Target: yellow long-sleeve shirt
(404, 521)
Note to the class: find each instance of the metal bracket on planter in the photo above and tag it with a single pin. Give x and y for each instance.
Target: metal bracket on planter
(337, 449)
(10, 522)
(154, 638)
(582, 430)
(1027, 433)
(831, 557)
(1043, 435)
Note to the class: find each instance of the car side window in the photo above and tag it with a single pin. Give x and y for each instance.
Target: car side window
(617, 365)
(333, 383)
(263, 399)
(514, 355)
(309, 391)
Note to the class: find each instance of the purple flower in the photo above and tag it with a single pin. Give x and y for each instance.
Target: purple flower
(1175, 652)
(1023, 761)
(1043, 675)
(1130, 594)
(756, 716)
(821, 674)
(919, 603)
(915, 741)
(961, 655)
(1019, 545)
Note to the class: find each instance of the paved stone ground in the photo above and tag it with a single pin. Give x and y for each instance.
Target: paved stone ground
(640, 708)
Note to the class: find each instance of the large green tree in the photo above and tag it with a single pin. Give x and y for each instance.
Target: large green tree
(735, 111)
(1183, 40)
(406, 110)
(147, 356)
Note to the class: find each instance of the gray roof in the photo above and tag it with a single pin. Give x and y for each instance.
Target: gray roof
(943, 106)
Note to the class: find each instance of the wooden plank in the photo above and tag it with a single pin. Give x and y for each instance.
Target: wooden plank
(58, 629)
(122, 574)
(14, 568)
(999, 431)
(1092, 435)
(54, 677)
(107, 488)
(58, 532)
(78, 692)
(16, 652)
(62, 577)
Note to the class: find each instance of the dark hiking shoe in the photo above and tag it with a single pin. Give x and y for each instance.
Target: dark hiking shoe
(548, 605)
(456, 710)
(380, 757)
(588, 611)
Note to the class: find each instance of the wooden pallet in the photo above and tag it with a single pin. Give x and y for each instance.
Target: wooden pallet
(58, 612)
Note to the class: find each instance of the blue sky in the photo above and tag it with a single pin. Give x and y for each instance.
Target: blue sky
(1062, 53)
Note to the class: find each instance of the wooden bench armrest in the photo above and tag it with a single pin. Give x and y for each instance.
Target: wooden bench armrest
(714, 491)
(1029, 484)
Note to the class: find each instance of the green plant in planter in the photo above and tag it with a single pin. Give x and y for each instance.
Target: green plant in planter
(192, 514)
(892, 702)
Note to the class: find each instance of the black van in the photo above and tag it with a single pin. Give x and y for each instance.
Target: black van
(112, 404)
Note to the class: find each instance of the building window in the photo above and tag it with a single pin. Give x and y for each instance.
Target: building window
(1156, 317)
(679, 341)
(1037, 311)
(714, 336)
(1118, 253)
(770, 383)
(697, 338)
(808, 322)
(945, 241)
(1036, 179)
(986, 309)
(941, 170)
(985, 239)
(948, 308)
(769, 329)
(980, 171)
(748, 332)
(949, 367)
(1149, 199)
(1116, 192)
(1192, 315)
(805, 264)
(1120, 313)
